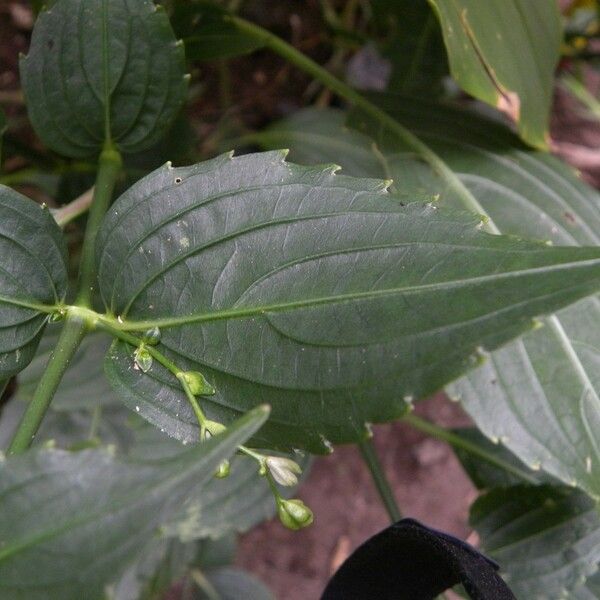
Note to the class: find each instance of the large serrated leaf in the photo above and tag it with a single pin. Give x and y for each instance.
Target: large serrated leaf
(546, 539)
(504, 52)
(101, 70)
(80, 517)
(33, 277)
(319, 294)
(538, 395)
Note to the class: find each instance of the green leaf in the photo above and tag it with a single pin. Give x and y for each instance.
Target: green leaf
(505, 471)
(538, 395)
(207, 34)
(100, 70)
(84, 385)
(319, 294)
(81, 517)
(33, 277)
(546, 539)
(504, 52)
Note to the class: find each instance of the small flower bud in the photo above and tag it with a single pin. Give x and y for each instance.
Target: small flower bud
(198, 384)
(143, 358)
(152, 336)
(214, 428)
(284, 470)
(294, 514)
(223, 470)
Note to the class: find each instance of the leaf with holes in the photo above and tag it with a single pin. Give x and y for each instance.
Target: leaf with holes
(546, 539)
(33, 277)
(504, 52)
(318, 294)
(80, 517)
(100, 70)
(538, 395)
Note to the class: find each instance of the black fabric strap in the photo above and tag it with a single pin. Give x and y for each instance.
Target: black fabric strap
(409, 561)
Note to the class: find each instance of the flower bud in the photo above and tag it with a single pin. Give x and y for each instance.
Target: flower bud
(294, 514)
(152, 336)
(143, 358)
(198, 384)
(223, 470)
(284, 470)
(214, 428)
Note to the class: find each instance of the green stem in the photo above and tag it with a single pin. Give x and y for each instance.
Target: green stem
(109, 166)
(458, 442)
(134, 341)
(386, 494)
(67, 344)
(306, 64)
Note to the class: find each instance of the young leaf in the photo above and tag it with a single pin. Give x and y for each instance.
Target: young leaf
(79, 517)
(319, 294)
(546, 539)
(33, 277)
(504, 52)
(101, 70)
(540, 394)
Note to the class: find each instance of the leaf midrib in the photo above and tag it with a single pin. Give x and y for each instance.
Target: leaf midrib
(233, 313)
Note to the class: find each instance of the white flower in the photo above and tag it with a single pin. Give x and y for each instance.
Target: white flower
(283, 470)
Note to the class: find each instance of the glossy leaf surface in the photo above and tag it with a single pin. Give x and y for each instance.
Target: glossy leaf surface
(538, 395)
(504, 52)
(103, 69)
(319, 294)
(81, 517)
(33, 276)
